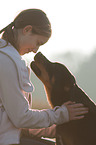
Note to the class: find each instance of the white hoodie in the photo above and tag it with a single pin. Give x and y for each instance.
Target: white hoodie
(14, 107)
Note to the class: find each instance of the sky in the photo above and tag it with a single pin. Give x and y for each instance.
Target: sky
(73, 23)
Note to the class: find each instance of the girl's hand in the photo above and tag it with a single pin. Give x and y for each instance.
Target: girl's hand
(76, 110)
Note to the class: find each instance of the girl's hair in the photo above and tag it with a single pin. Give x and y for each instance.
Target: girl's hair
(35, 17)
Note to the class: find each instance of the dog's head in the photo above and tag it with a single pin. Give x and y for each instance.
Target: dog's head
(57, 79)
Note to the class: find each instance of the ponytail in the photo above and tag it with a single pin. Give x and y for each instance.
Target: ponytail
(11, 24)
(8, 34)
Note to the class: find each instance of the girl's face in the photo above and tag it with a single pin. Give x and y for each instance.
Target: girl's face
(30, 42)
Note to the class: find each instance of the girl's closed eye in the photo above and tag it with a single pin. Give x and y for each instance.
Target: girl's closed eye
(38, 44)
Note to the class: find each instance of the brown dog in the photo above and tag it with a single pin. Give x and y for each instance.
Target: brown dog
(60, 86)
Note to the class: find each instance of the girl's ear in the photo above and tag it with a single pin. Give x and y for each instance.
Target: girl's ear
(27, 29)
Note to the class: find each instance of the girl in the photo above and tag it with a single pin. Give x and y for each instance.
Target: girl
(29, 30)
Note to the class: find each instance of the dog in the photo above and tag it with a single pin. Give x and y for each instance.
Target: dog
(60, 86)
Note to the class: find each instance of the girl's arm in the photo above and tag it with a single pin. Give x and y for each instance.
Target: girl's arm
(16, 105)
(49, 132)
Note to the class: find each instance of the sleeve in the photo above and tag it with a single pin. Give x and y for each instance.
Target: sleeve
(49, 132)
(16, 105)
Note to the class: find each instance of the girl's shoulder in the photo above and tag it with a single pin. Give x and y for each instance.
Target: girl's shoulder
(9, 54)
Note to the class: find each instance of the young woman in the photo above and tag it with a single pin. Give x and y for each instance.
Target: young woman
(29, 30)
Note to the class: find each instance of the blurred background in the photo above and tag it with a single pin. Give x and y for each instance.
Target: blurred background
(73, 40)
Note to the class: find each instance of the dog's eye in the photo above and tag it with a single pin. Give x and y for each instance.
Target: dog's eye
(53, 80)
(66, 88)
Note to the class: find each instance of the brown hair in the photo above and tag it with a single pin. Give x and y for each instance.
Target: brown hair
(35, 17)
